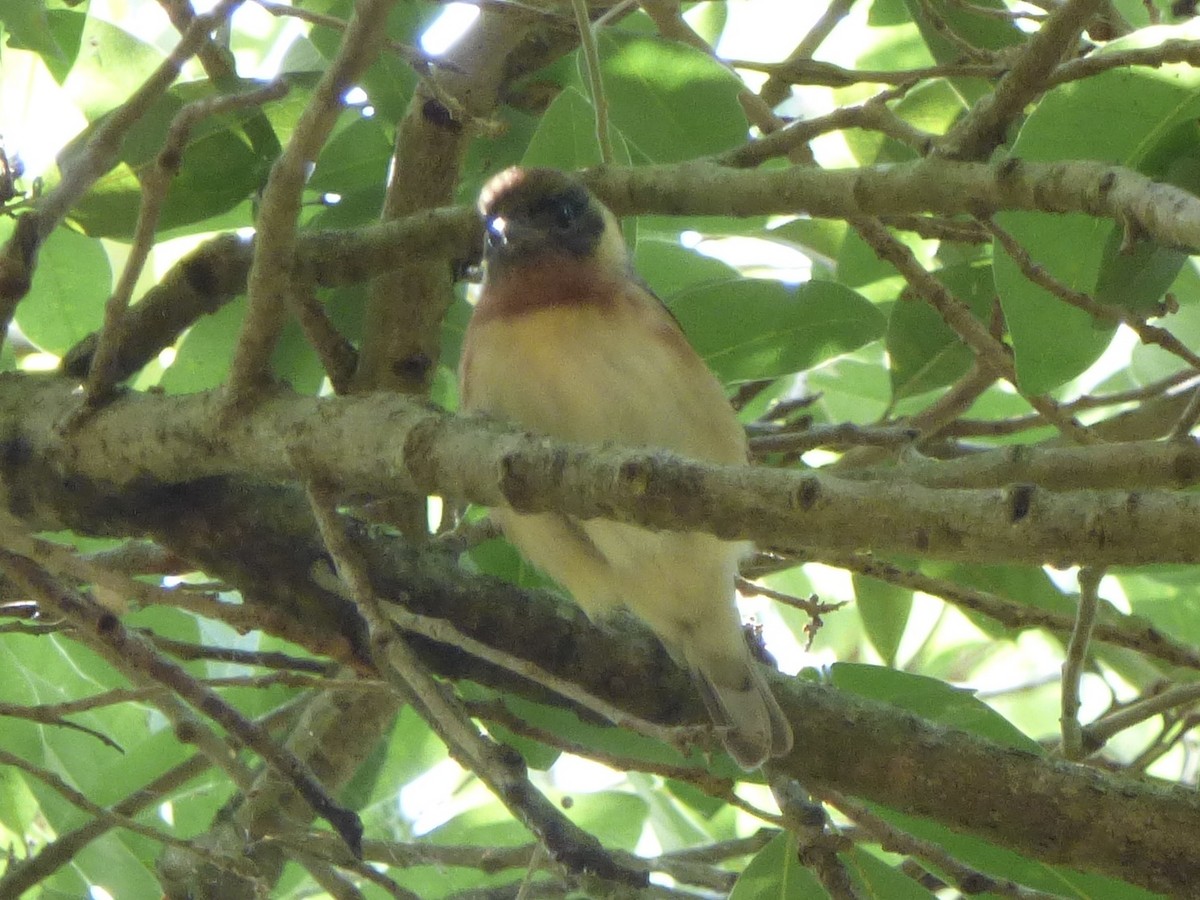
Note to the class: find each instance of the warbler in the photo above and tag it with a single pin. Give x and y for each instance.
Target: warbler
(567, 340)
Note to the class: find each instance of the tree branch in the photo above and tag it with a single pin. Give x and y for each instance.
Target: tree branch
(380, 443)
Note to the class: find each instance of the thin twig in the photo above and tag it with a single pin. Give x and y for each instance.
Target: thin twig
(270, 284)
(591, 59)
(982, 129)
(1188, 419)
(990, 352)
(1076, 660)
(832, 435)
(111, 819)
(24, 874)
(567, 844)
(1144, 639)
(1098, 733)
(103, 374)
(969, 880)
(775, 90)
(98, 156)
(337, 353)
(1112, 315)
(134, 655)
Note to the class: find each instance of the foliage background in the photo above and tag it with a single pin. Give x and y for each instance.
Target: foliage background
(911, 236)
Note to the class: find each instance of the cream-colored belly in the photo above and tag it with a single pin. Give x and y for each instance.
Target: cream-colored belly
(575, 374)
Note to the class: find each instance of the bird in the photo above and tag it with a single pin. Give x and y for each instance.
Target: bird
(566, 340)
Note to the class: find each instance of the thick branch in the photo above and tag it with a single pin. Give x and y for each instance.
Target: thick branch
(384, 444)
(1054, 811)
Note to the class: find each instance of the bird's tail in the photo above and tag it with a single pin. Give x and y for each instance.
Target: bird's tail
(739, 700)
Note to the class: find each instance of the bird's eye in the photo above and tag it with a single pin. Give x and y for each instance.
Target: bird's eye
(565, 213)
(494, 231)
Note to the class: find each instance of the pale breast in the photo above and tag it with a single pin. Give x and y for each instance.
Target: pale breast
(591, 373)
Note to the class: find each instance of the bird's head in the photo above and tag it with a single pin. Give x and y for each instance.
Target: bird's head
(535, 216)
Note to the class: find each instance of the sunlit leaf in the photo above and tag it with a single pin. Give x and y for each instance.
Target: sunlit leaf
(66, 302)
(669, 100)
(749, 328)
(1154, 107)
(775, 873)
(931, 699)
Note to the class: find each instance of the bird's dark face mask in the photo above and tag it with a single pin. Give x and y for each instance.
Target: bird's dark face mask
(522, 226)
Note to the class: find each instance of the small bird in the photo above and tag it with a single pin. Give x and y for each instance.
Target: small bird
(568, 341)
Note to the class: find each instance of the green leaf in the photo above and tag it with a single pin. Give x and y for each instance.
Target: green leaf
(390, 80)
(935, 17)
(1071, 249)
(931, 106)
(220, 170)
(1155, 108)
(924, 352)
(775, 873)
(1006, 864)
(748, 328)
(878, 879)
(669, 267)
(410, 750)
(356, 157)
(670, 101)
(500, 558)
(705, 804)
(296, 362)
(566, 136)
(1021, 584)
(819, 239)
(482, 824)
(671, 824)
(854, 388)
(884, 610)
(1151, 362)
(608, 739)
(856, 264)
(71, 285)
(615, 817)
(203, 354)
(18, 806)
(28, 26)
(931, 699)
(1137, 278)
(111, 65)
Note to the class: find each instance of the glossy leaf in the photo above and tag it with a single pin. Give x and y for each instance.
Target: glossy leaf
(924, 352)
(28, 25)
(878, 879)
(1002, 863)
(70, 288)
(204, 352)
(669, 267)
(775, 873)
(749, 328)
(111, 65)
(670, 101)
(884, 611)
(566, 138)
(931, 699)
(220, 170)
(1075, 120)
(935, 17)
(356, 157)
